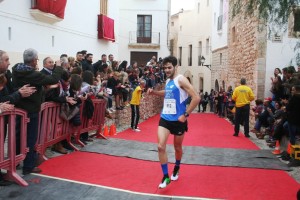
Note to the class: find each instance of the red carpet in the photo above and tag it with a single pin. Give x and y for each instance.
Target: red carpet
(195, 180)
(207, 130)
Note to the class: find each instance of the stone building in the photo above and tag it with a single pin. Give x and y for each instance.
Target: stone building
(250, 50)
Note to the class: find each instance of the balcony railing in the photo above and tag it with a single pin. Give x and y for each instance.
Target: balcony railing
(144, 37)
(220, 22)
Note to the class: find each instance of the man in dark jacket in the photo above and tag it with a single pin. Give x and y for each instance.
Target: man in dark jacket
(8, 94)
(87, 64)
(26, 73)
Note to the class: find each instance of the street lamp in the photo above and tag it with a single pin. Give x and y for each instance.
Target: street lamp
(202, 60)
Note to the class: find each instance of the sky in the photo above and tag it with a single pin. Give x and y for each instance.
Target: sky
(176, 5)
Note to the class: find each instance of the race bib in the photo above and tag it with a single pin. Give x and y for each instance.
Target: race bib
(169, 106)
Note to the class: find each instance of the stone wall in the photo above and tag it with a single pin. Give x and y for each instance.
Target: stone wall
(219, 72)
(245, 55)
(150, 106)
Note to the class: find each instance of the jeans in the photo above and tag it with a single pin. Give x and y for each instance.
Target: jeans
(32, 135)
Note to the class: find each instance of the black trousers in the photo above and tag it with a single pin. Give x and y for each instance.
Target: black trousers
(135, 115)
(242, 117)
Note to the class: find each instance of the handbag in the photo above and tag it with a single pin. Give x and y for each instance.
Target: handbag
(67, 112)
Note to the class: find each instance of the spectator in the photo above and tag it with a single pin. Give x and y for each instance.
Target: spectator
(25, 73)
(9, 95)
(205, 101)
(123, 66)
(98, 66)
(3, 108)
(79, 58)
(242, 96)
(277, 89)
(65, 63)
(113, 84)
(135, 105)
(110, 60)
(71, 62)
(87, 64)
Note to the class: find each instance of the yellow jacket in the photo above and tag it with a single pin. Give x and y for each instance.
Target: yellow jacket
(242, 95)
(136, 96)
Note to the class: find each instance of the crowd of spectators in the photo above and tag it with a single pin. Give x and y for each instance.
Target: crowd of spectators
(276, 117)
(69, 80)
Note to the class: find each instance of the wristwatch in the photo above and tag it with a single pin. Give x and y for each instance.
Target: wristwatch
(186, 114)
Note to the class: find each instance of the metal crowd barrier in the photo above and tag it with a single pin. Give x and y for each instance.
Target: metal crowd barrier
(52, 129)
(95, 123)
(8, 157)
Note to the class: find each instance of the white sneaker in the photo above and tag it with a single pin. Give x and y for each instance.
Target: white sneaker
(112, 110)
(137, 130)
(165, 181)
(175, 174)
(109, 111)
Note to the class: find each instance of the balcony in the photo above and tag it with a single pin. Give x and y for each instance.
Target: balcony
(220, 23)
(138, 40)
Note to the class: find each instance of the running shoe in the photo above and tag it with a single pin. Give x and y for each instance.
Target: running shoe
(165, 181)
(175, 174)
(137, 130)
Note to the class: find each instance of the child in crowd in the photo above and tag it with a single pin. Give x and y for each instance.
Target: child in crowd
(135, 105)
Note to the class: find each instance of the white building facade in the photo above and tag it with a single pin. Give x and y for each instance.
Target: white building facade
(219, 43)
(143, 30)
(190, 39)
(22, 28)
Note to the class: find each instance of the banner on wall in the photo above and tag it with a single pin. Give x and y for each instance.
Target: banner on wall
(55, 7)
(106, 29)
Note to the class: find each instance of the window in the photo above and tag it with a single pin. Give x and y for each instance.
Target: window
(172, 47)
(207, 2)
(190, 58)
(172, 23)
(180, 56)
(233, 35)
(296, 21)
(221, 58)
(9, 33)
(207, 46)
(199, 53)
(144, 28)
(103, 7)
(180, 28)
(220, 18)
(220, 22)
(198, 8)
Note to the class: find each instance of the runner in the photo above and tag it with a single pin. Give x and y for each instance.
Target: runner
(174, 115)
